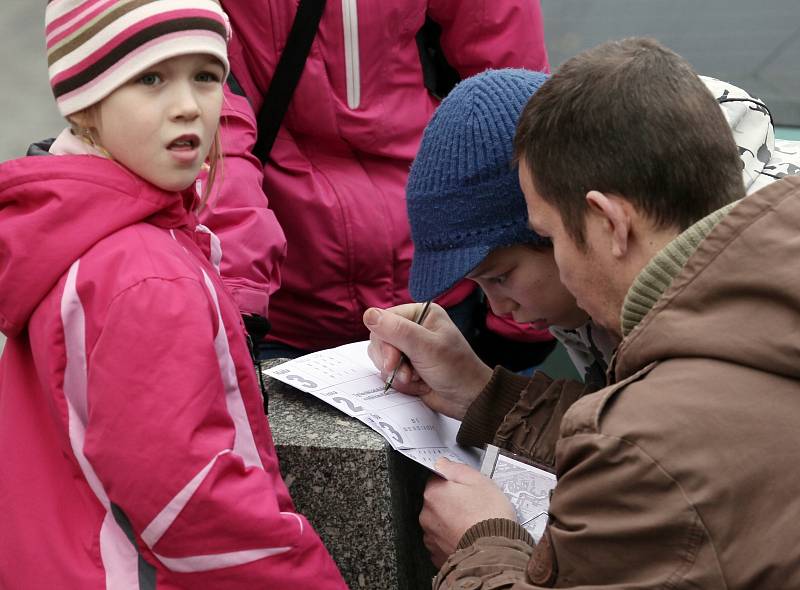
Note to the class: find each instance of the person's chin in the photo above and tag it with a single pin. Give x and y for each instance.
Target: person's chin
(172, 185)
(178, 180)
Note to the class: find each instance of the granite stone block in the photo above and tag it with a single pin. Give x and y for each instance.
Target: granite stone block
(361, 496)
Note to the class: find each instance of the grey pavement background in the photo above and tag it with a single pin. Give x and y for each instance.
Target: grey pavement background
(753, 44)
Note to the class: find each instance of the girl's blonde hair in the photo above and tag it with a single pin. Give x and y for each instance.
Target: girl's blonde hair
(215, 169)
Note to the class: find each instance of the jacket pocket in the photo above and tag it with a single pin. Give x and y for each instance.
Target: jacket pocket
(351, 57)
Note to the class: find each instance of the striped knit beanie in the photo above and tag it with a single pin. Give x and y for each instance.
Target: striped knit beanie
(95, 46)
(463, 194)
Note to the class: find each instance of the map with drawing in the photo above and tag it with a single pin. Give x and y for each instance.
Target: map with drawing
(526, 485)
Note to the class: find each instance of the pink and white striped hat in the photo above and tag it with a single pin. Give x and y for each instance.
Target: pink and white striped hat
(95, 46)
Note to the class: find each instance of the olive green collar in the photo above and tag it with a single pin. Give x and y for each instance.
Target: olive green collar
(659, 273)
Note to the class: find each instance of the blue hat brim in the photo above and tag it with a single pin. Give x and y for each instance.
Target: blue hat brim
(434, 272)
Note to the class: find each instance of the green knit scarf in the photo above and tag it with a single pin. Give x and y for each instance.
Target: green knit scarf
(659, 273)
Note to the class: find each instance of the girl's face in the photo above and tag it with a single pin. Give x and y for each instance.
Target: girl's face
(161, 124)
(522, 282)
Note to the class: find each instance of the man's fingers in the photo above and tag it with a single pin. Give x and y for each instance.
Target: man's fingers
(411, 387)
(375, 352)
(382, 354)
(391, 358)
(396, 326)
(426, 520)
(437, 556)
(446, 468)
(430, 537)
(456, 472)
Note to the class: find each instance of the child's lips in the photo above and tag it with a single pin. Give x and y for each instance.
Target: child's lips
(185, 149)
(187, 141)
(184, 155)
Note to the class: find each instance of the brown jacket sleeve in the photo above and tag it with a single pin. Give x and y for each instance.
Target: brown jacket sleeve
(520, 414)
(617, 519)
(497, 399)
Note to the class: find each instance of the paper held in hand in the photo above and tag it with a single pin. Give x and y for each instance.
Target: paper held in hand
(526, 485)
(345, 378)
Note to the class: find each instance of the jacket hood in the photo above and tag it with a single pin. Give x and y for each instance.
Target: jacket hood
(55, 208)
(737, 297)
(764, 158)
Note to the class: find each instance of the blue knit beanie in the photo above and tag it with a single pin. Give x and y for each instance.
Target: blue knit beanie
(463, 194)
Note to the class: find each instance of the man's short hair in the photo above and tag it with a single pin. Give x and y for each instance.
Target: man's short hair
(630, 118)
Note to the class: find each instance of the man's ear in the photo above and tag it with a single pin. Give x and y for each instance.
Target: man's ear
(615, 217)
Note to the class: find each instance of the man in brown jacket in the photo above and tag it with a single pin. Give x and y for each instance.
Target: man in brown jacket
(681, 473)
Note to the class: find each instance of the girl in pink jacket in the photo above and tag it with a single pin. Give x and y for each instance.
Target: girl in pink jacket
(134, 450)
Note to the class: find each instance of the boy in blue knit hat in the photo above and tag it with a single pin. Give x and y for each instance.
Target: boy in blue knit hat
(468, 219)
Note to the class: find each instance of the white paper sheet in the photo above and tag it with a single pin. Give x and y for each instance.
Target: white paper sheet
(345, 378)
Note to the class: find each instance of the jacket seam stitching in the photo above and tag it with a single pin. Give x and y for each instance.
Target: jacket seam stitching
(594, 426)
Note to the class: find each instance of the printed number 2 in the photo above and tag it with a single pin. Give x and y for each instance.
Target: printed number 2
(301, 382)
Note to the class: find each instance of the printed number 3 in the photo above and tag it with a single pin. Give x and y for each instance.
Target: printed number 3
(302, 382)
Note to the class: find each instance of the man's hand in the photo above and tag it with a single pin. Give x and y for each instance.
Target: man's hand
(445, 372)
(453, 505)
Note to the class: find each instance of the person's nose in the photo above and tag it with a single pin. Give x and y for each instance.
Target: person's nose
(184, 103)
(500, 304)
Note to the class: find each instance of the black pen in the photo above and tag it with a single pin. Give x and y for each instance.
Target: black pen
(403, 358)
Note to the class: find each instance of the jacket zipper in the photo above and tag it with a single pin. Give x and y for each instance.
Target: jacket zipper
(351, 59)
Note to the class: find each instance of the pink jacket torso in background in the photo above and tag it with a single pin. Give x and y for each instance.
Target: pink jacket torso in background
(337, 178)
(134, 451)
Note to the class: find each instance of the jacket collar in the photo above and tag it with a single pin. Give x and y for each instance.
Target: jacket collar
(659, 273)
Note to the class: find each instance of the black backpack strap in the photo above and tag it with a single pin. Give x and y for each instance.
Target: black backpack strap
(287, 75)
(438, 75)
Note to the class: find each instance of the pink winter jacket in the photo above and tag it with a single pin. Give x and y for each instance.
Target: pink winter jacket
(134, 452)
(336, 182)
